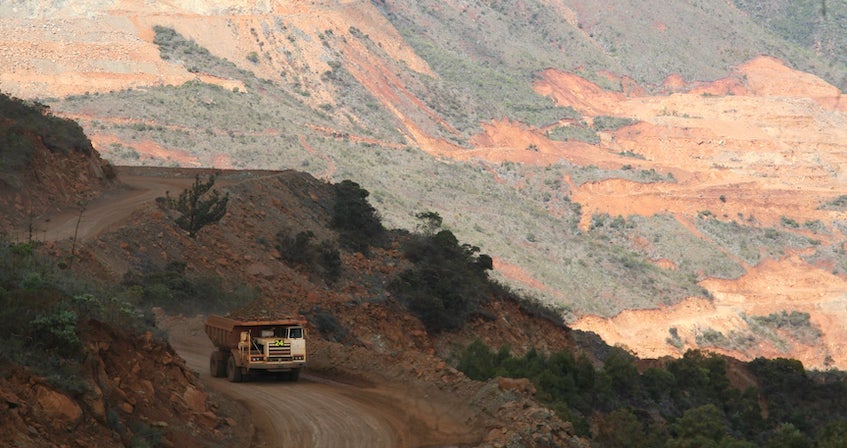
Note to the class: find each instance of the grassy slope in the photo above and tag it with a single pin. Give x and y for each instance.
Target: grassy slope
(485, 56)
(813, 25)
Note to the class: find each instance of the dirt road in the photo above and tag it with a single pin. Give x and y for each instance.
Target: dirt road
(138, 186)
(317, 412)
(314, 412)
(309, 413)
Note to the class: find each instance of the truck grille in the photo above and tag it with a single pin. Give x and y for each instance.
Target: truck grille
(277, 353)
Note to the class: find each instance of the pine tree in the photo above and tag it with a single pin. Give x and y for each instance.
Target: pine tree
(198, 206)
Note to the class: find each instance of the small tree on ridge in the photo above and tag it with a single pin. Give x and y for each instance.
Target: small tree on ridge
(198, 206)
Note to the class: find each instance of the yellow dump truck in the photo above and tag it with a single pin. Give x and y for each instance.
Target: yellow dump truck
(263, 346)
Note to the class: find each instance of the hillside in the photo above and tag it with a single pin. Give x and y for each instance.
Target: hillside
(587, 150)
(388, 310)
(409, 339)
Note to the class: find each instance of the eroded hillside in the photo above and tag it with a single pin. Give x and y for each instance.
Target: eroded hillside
(663, 194)
(402, 327)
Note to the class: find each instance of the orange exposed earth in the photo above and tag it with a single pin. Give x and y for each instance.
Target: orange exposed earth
(766, 140)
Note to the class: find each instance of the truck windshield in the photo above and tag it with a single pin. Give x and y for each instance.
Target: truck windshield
(295, 333)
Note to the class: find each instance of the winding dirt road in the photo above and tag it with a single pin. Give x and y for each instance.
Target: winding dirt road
(310, 413)
(314, 412)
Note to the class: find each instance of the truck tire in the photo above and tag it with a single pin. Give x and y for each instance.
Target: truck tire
(294, 375)
(233, 372)
(217, 365)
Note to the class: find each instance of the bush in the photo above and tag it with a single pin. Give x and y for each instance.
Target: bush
(175, 291)
(297, 249)
(702, 426)
(620, 368)
(198, 205)
(356, 221)
(57, 331)
(22, 123)
(328, 326)
(606, 123)
(323, 259)
(448, 282)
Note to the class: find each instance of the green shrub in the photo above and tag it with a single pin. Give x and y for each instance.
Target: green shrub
(328, 326)
(788, 222)
(620, 368)
(357, 222)
(674, 338)
(448, 282)
(605, 123)
(581, 133)
(329, 260)
(297, 249)
(57, 331)
(323, 259)
(177, 292)
(144, 435)
(839, 203)
(199, 205)
(702, 426)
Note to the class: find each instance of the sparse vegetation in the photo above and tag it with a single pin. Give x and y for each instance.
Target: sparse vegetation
(674, 338)
(785, 327)
(329, 326)
(448, 282)
(356, 220)
(839, 203)
(23, 123)
(579, 132)
(322, 258)
(683, 402)
(198, 205)
(407, 179)
(178, 291)
(789, 222)
(44, 311)
(749, 242)
(604, 123)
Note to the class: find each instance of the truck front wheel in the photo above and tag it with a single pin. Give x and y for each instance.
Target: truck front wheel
(217, 365)
(294, 375)
(233, 372)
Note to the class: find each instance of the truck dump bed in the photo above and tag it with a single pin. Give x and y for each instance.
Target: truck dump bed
(225, 333)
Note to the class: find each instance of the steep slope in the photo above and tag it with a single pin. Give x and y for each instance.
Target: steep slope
(385, 357)
(135, 391)
(390, 312)
(79, 370)
(770, 152)
(46, 164)
(709, 177)
(361, 335)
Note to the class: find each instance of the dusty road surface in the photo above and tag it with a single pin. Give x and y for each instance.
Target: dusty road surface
(139, 186)
(315, 412)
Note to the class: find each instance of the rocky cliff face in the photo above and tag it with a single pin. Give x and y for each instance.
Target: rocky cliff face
(134, 390)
